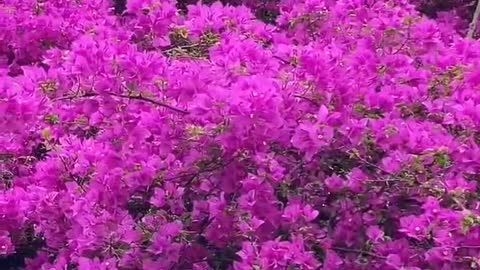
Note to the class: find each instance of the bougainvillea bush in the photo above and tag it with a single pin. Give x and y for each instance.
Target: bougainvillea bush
(335, 135)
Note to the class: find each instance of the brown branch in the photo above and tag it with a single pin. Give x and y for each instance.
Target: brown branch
(75, 96)
(473, 25)
(404, 43)
(467, 247)
(135, 97)
(215, 166)
(285, 62)
(146, 99)
(306, 99)
(181, 47)
(361, 252)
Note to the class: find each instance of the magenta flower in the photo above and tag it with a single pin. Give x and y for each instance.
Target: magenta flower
(414, 227)
(334, 183)
(6, 246)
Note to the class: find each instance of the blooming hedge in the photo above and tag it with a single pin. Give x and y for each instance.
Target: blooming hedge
(332, 135)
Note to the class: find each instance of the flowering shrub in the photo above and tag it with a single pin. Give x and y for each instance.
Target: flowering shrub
(341, 135)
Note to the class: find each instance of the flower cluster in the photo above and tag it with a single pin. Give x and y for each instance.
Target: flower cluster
(334, 135)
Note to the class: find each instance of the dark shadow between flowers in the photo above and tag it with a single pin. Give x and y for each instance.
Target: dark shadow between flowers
(27, 248)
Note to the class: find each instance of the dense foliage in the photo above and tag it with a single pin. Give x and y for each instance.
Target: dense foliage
(328, 135)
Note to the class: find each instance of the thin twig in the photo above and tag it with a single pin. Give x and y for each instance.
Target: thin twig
(307, 99)
(75, 96)
(213, 168)
(135, 97)
(407, 39)
(182, 47)
(146, 99)
(467, 247)
(473, 25)
(281, 60)
(358, 251)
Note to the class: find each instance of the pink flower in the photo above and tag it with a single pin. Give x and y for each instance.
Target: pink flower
(375, 234)
(159, 198)
(414, 227)
(309, 213)
(334, 183)
(6, 246)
